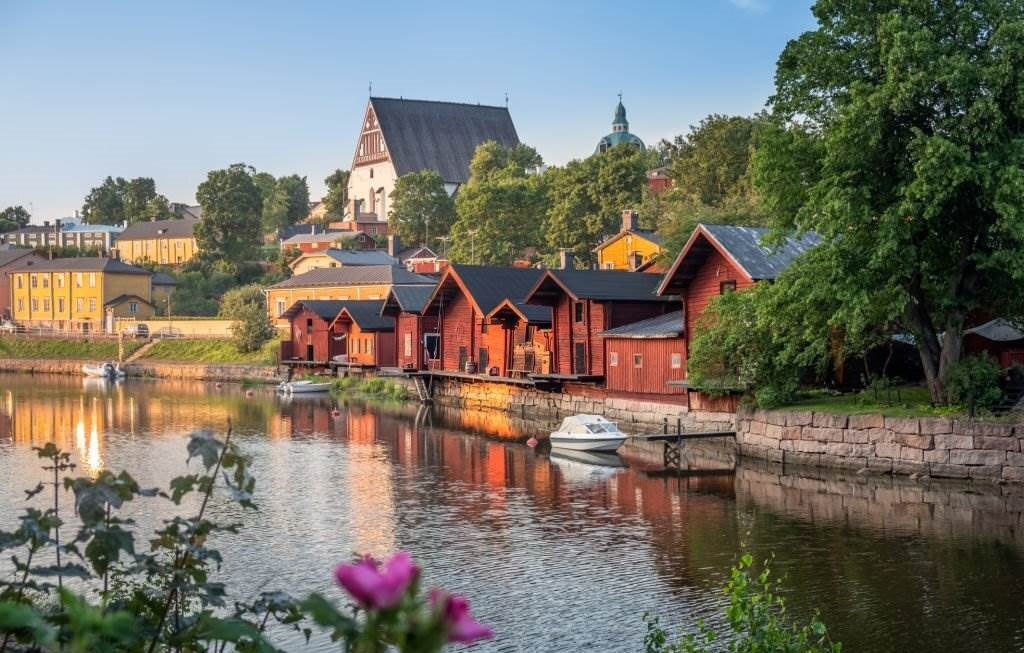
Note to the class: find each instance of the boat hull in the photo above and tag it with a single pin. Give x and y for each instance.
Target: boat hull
(305, 388)
(606, 443)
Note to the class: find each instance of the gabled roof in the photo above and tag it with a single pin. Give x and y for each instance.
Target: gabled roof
(998, 330)
(163, 279)
(441, 136)
(320, 237)
(361, 256)
(87, 264)
(669, 325)
(646, 234)
(326, 309)
(597, 285)
(8, 256)
(120, 299)
(177, 228)
(366, 314)
(355, 275)
(528, 313)
(484, 285)
(408, 299)
(81, 227)
(745, 247)
(416, 253)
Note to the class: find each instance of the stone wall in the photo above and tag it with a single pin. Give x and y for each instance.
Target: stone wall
(149, 369)
(934, 446)
(634, 416)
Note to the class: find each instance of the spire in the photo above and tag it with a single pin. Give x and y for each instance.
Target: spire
(620, 124)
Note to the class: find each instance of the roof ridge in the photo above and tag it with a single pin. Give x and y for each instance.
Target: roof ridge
(464, 104)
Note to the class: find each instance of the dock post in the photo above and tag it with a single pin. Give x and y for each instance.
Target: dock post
(664, 425)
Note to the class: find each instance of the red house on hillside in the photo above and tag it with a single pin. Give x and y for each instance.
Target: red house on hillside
(724, 258)
(416, 336)
(462, 301)
(586, 303)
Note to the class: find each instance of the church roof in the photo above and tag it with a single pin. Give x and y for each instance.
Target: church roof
(620, 132)
(442, 136)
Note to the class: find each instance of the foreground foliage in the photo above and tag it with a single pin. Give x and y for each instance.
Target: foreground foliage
(132, 598)
(757, 619)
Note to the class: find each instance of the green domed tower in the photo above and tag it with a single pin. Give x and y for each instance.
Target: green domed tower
(620, 132)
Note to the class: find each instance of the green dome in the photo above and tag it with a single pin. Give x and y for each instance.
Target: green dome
(620, 132)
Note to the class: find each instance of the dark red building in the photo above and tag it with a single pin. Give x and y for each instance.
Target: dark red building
(416, 336)
(310, 336)
(586, 303)
(462, 301)
(998, 338)
(363, 335)
(646, 358)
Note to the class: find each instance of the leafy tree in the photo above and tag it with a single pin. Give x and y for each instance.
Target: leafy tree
(976, 382)
(421, 207)
(587, 197)
(159, 208)
(117, 200)
(199, 291)
(251, 328)
(235, 301)
(295, 192)
(231, 216)
(337, 194)
(898, 140)
(499, 209)
(14, 217)
(285, 199)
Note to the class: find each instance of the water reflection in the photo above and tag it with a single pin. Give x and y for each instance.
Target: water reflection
(541, 538)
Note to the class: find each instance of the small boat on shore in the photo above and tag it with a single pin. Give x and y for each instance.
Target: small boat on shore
(107, 370)
(303, 387)
(587, 433)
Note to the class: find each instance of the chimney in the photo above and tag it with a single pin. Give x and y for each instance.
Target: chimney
(56, 226)
(565, 259)
(115, 254)
(394, 245)
(46, 223)
(630, 220)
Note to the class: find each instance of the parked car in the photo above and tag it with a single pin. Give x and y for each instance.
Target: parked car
(8, 327)
(136, 330)
(168, 333)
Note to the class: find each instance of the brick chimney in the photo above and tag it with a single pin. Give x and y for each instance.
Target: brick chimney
(565, 260)
(394, 245)
(630, 220)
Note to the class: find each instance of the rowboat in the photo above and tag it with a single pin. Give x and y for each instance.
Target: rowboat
(107, 370)
(587, 433)
(302, 387)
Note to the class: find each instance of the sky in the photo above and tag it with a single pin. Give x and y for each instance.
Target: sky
(172, 90)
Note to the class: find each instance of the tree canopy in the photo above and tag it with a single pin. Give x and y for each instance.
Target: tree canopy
(232, 208)
(117, 200)
(285, 200)
(14, 217)
(899, 139)
(337, 194)
(421, 208)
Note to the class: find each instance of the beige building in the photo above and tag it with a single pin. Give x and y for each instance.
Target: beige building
(167, 242)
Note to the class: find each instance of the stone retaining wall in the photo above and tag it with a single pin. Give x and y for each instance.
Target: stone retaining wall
(940, 447)
(151, 369)
(634, 416)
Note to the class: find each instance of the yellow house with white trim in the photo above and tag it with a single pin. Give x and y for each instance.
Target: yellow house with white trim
(630, 248)
(167, 242)
(77, 294)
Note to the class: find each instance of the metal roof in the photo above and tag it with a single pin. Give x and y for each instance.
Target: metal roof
(759, 259)
(87, 264)
(998, 330)
(176, 228)
(326, 309)
(361, 256)
(163, 279)
(410, 299)
(356, 275)
(366, 314)
(489, 286)
(8, 256)
(669, 325)
(533, 313)
(321, 237)
(123, 298)
(441, 136)
(602, 285)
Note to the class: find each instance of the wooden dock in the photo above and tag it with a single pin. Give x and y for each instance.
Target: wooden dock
(674, 440)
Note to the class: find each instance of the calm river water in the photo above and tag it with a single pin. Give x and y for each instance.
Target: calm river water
(555, 554)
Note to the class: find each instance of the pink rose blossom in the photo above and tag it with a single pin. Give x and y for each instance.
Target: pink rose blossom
(375, 587)
(460, 625)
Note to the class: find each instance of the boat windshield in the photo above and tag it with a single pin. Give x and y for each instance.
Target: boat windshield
(602, 428)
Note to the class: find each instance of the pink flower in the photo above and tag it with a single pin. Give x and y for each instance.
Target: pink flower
(454, 612)
(375, 587)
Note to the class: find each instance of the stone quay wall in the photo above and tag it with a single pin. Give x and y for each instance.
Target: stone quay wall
(933, 446)
(151, 369)
(634, 416)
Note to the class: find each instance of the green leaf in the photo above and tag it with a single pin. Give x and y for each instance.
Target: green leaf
(25, 621)
(204, 445)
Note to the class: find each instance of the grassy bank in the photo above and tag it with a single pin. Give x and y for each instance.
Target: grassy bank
(54, 349)
(211, 351)
(902, 401)
(375, 388)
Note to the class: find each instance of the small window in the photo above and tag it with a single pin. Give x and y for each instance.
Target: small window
(46, 305)
(33, 281)
(133, 307)
(483, 325)
(371, 173)
(280, 307)
(21, 304)
(309, 324)
(407, 345)
(78, 279)
(79, 304)
(92, 279)
(727, 287)
(638, 360)
(46, 281)
(578, 311)
(613, 359)
(60, 304)
(677, 361)
(21, 281)
(92, 303)
(60, 280)
(35, 304)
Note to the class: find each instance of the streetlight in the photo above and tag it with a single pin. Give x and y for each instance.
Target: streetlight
(472, 245)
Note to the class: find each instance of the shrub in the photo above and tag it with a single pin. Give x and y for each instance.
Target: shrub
(251, 328)
(236, 301)
(758, 622)
(974, 383)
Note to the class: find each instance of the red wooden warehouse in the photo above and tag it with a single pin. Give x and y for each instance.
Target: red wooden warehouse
(310, 338)
(364, 336)
(416, 336)
(586, 303)
(646, 357)
(462, 302)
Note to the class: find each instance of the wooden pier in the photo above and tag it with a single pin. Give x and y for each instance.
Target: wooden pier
(674, 441)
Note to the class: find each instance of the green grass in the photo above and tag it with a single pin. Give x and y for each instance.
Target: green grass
(902, 401)
(211, 351)
(375, 388)
(47, 348)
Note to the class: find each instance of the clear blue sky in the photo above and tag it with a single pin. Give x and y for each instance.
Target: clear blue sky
(101, 88)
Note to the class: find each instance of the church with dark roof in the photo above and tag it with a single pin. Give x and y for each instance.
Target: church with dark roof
(620, 132)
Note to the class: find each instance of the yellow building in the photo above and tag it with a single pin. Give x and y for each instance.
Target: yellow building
(77, 294)
(630, 248)
(338, 258)
(351, 282)
(167, 242)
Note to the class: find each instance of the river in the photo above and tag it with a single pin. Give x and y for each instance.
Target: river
(554, 554)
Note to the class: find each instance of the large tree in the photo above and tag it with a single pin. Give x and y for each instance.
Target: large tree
(117, 200)
(901, 142)
(232, 207)
(587, 197)
(421, 208)
(285, 199)
(337, 194)
(14, 217)
(499, 209)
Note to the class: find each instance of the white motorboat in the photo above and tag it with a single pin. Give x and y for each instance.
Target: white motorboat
(587, 433)
(106, 370)
(297, 387)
